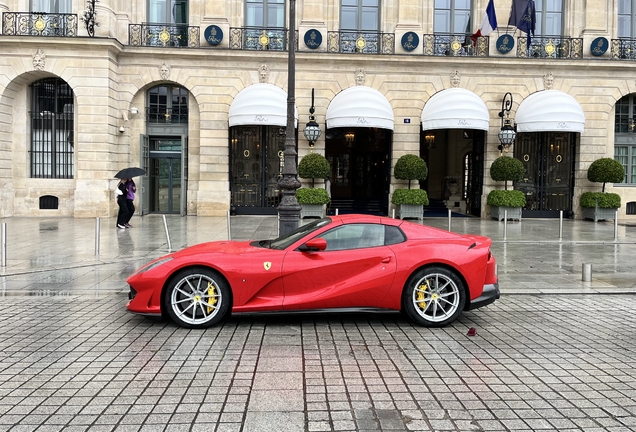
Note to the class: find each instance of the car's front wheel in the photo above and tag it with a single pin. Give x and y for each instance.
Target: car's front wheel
(197, 298)
(434, 297)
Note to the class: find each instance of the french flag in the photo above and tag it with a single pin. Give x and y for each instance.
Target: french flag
(488, 24)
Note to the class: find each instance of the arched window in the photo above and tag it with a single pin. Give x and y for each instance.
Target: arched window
(624, 133)
(52, 129)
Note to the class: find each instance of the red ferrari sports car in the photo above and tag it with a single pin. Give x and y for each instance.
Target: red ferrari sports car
(350, 261)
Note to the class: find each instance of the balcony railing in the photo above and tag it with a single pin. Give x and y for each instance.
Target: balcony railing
(360, 42)
(454, 45)
(259, 39)
(39, 24)
(164, 35)
(623, 49)
(555, 47)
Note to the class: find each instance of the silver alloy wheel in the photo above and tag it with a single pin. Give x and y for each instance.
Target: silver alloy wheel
(436, 297)
(196, 299)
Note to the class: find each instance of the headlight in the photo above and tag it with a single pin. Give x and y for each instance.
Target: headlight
(154, 264)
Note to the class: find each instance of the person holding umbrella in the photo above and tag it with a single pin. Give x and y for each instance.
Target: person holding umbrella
(130, 196)
(122, 202)
(126, 194)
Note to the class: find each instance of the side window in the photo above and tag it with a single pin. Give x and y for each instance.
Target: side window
(354, 236)
(393, 235)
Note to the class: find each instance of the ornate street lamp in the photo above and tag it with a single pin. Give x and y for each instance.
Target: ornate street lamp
(289, 209)
(507, 133)
(312, 130)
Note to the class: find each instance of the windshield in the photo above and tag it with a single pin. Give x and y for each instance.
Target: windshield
(283, 242)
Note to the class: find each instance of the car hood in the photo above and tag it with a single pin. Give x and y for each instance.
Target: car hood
(220, 247)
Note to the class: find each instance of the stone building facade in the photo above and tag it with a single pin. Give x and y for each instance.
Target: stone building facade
(195, 93)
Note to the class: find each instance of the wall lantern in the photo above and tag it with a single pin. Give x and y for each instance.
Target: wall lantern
(430, 140)
(312, 130)
(507, 133)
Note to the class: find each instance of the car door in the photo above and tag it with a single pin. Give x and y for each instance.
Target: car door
(355, 270)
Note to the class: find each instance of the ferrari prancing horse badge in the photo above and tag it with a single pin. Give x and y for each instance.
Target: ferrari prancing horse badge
(267, 265)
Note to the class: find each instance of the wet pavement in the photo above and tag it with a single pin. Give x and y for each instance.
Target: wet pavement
(554, 353)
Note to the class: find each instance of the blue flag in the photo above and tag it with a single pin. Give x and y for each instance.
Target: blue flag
(528, 21)
(516, 12)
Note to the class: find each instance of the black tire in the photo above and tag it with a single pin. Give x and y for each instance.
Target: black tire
(197, 298)
(434, 297)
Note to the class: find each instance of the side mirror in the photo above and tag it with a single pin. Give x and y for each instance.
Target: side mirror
(314, 245)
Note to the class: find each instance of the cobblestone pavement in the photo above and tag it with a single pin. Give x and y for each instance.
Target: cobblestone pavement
(554, 353)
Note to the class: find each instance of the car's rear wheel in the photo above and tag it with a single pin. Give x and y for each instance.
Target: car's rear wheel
(434, 297)
(197, 298)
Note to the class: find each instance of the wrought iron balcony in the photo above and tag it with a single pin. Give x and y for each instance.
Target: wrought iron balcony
(360, 42)
(455, 45)
(164, 35)
(259, 39)
(39, 24)
(156, 114)
(623, 49)
(550, 47)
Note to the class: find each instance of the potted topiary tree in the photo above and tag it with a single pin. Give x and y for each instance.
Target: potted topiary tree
(506, 169)
(410, 202)
(602, 205)
(313, 201)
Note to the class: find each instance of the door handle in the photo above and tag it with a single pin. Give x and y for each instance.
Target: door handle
(386, 260)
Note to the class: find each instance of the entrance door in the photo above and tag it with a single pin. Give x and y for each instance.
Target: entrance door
(165, 181)
(548, 159)
(256, 167)
(360, 169)
(474, 176)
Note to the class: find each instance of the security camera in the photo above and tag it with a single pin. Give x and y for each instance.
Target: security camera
(134, 110)
(121, 129)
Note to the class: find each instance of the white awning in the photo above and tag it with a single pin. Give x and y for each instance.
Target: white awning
(455, 108)
(360, 106)
(260, 104)
(550, 111)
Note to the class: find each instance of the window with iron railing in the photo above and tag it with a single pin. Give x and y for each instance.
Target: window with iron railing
(52, 129)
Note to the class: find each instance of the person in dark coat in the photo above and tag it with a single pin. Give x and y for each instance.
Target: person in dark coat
(122, 202)
(130, 196)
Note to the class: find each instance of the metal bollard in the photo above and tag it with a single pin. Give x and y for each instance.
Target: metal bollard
(97, 236)
(165, 225)
(560, 225)
(393, 214)
(505, 225)
(616, 225)
(449, 218)
(229, 227)
(4, 244)
(336, 212)
(587, 272)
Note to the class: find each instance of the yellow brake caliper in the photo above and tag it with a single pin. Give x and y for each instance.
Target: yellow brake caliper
(211, 297)
(420, 297)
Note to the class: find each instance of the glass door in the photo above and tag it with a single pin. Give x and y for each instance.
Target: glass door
(165, 175)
